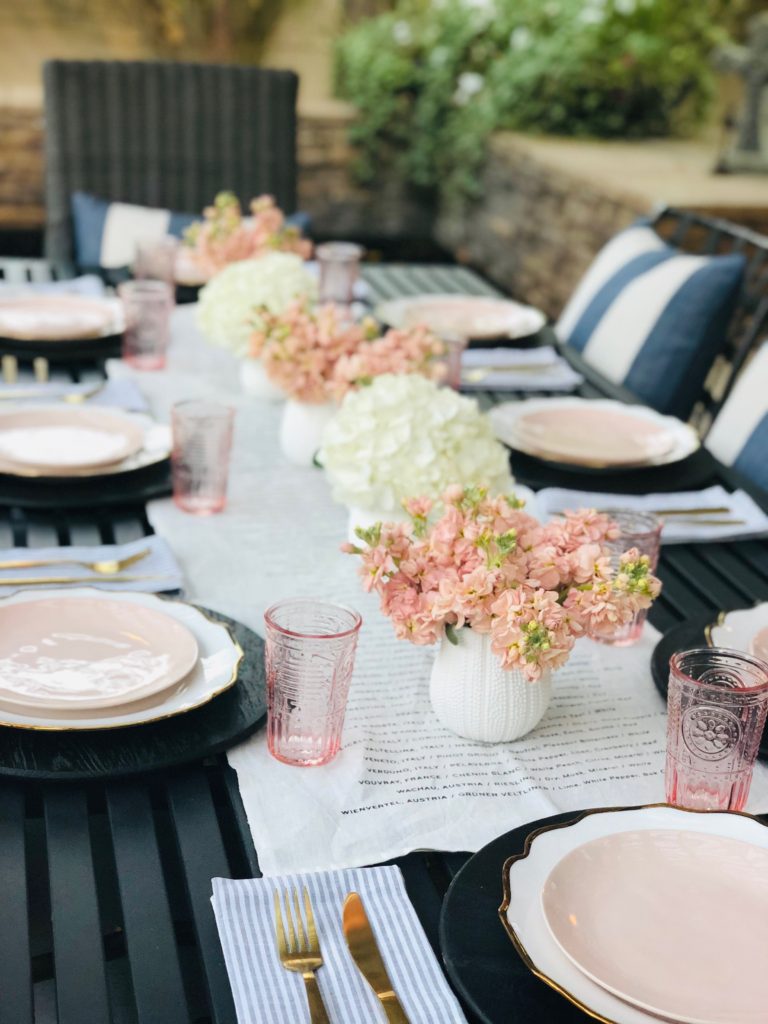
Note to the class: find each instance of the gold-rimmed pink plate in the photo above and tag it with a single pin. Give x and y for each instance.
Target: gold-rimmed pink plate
(673, 922)
(57, 440)
(479, 317)
(56, 317)
(80, 653)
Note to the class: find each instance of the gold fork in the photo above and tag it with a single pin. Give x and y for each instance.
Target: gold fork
(106, 566)
(299, 949)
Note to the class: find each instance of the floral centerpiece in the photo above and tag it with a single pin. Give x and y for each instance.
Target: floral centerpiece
(404, 435)
(228, 306)
(317, 355)
(224, 236)
(506, 596)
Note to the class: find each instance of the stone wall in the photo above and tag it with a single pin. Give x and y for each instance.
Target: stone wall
(327, 188)
(547, 205)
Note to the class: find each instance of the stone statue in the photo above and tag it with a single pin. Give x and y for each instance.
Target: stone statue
(750, 150)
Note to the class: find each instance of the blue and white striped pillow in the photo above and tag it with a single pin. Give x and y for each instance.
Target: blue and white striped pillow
(106, 234)
(652, 318)
(739, 435)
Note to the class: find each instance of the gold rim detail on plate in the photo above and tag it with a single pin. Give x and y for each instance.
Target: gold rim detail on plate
(239, 655)
(529, 839)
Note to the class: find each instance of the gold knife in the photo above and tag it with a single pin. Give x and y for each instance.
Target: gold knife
(56, 581)
(365, 952)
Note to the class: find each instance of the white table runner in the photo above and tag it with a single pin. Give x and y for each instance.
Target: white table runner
(401, 782)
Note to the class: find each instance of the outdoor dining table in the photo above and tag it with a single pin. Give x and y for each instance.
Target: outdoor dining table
(106, 913)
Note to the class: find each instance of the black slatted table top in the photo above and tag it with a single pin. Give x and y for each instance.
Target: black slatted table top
(106, 886)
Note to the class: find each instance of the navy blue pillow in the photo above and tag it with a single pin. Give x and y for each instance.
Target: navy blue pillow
(651, 317)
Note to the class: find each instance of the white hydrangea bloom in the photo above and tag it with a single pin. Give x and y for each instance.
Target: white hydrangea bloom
(521, 38)
(468, 85)
(402, 33)
(225, 311)
(403, 436)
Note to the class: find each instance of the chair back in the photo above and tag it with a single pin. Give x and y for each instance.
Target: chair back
(708, 236)
(164, 134)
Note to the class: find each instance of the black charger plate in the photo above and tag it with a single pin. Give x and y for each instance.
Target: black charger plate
(76, 350)
(133, 486)
(689, 474)
(479, 957)
(683, 637)
(113, 753)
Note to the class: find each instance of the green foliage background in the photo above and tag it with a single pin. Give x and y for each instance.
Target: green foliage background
(433, 78)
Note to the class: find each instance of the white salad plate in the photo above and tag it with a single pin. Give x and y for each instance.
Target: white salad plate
(478, 317)
(593, 433)
(744, 630)
(213, 670)
(59, 317)
(620, 930)
(56, 440)
(70, 443)
(79, 653)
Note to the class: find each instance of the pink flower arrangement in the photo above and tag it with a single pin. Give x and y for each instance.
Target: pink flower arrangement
(484, 563)
(224, 236)
(318, 355)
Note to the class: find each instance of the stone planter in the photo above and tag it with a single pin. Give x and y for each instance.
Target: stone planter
(472, 695)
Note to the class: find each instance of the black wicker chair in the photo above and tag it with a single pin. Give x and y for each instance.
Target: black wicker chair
(166, 135)
(698, 234)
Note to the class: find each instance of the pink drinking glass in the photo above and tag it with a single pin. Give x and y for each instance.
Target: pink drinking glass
(451, 359)
(339, 264)
(147, 309)
(202, 442)
(717, 702)
(155, 260)
(310, 654)
(641, 530)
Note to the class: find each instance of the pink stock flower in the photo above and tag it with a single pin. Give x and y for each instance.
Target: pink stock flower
(225, 237)
(483, 563)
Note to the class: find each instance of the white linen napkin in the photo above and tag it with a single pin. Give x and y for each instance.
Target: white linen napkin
(160, 563)
(115, 394)
(266, 993)
(753, 522)
(532, 369)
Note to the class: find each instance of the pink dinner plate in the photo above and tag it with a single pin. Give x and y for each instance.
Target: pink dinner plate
(592, 436)
(674, 922)
(468, 316)
(58, 439)
(55, 318)
(79, 653)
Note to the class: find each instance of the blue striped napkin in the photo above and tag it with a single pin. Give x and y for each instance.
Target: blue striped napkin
(160, 563)
(265, 993)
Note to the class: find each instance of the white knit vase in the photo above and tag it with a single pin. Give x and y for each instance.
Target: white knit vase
(364, 518)
(301, 429)
(472, 695)
(255, 382)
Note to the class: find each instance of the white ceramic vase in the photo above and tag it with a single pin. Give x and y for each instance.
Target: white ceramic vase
(365, 517)
(472, 695)
(301, 429)
(255, 382)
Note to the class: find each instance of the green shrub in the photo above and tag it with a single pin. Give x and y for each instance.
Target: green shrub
(433, 79)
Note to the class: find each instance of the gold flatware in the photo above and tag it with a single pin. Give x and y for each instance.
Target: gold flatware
(77, 397)
(710, 522)
(485, 371)
(41, 368)
(108, 566)
(10, 369)
(715, 510)
(365, 952)
(55, 581)
(73, 397)
(299, 947)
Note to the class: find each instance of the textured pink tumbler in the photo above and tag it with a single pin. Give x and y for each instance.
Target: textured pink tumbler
(147, 309)
(641, 530)
(310, 654)
(202, 441)
(717, 702)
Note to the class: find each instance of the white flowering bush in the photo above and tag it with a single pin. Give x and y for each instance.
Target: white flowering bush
(403, 436)
(228, 304)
